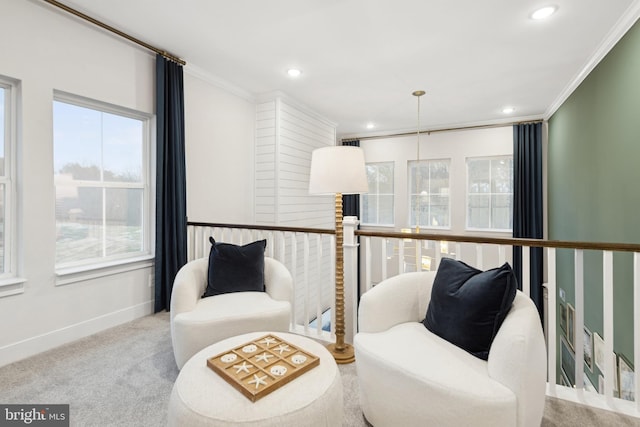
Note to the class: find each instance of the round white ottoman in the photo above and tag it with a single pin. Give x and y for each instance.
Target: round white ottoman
(200, 397)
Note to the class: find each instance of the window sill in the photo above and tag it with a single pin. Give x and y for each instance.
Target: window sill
(432, 228)
(488, 231)
(68, 275)
(11, 286)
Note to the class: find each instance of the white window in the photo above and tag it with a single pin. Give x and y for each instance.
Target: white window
(8, 112)
(101, 179)
(429, 193)
(377, 204)
(490, 193)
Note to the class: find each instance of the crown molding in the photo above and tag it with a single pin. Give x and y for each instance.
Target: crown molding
(219, 82)
(278, 94)
(621, 27)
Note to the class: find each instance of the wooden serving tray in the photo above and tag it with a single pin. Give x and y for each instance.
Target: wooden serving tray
(260, 366)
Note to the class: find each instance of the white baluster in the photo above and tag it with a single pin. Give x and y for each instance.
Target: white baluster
(319, 283)
(579, 319)
(438, 255)
(199, 238)
(607, 309)
(333, 288)
(479, 258)
(190, 247)
(384, 259)
(636, 329)
(307, 290)
(501, 254)
(294, 274)
(350, 245)
(367, 262)
(551, 330)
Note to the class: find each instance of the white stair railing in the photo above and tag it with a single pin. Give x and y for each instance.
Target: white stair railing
(305, 252)
(426, 252)
(309, 254)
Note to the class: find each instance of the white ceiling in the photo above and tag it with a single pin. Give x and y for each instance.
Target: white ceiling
(362, 59)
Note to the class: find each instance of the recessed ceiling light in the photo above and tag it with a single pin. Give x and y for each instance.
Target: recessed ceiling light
(371, 125)
(544, 12)
(508, 110)
(294, 72)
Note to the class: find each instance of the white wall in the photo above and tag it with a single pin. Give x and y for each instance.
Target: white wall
(454, 145)
(219, 139)
(48, 50)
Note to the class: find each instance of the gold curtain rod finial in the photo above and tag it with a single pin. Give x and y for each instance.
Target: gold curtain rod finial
(418, 93)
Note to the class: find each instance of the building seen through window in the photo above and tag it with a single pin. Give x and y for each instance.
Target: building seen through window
(101, 185)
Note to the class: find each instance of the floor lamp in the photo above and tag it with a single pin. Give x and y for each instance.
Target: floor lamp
(338, 170)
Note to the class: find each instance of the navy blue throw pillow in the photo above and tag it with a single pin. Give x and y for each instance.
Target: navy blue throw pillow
(235, 268)
(468, 305)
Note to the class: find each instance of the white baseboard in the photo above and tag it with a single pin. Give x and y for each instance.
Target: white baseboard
(34, 345)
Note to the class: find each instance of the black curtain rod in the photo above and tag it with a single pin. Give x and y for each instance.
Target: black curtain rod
(116, 31)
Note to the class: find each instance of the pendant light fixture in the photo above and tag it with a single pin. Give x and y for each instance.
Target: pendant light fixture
(418, 94)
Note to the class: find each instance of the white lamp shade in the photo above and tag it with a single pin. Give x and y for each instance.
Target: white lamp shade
(338, 169)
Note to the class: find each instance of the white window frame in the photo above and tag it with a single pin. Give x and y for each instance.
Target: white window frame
(116, 263)
(9, 277)
(377, 193)
(467, 194)
(411, 193)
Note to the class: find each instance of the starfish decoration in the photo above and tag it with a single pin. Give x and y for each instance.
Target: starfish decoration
(268, 341)
(282, 348)
(242, 368)
(258, 380)
(264, 357)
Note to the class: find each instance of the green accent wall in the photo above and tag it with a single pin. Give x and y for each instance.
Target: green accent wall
(594, 184)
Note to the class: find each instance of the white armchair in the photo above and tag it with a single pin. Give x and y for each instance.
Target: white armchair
(409, 376)
(199, 322)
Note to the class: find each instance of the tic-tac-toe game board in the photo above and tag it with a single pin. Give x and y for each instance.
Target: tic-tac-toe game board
(263, 365)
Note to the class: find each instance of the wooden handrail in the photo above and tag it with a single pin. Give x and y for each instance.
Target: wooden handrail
(265, 227)
(536, 243)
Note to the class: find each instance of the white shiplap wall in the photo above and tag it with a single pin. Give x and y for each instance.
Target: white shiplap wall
(286, 134)
(285, 137)
(265, 168)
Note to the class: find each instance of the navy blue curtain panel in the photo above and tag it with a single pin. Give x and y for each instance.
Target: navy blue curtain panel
(527, 202)
(171, 197)
(351, 202)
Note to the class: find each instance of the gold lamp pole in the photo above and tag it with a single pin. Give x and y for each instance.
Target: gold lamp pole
(341, 351)
(418, 94)
(338, 170)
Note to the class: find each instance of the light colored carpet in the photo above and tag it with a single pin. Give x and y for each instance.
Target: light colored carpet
(123, 377)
